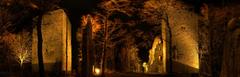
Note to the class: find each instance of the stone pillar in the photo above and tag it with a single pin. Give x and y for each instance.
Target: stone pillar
(231, 54)
(204, 43)
(184, 26)
(56, 34)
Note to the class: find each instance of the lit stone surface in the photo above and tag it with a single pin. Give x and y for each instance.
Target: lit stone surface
(184, 37)
(56, 42)
(156, 57)
(183, 23)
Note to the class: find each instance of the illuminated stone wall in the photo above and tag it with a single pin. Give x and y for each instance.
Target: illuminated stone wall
(184, 29)
(156, 57)
(56, 33)
(183, 23)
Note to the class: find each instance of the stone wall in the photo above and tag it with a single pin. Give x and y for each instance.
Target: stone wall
(184, 29)
(56, 34)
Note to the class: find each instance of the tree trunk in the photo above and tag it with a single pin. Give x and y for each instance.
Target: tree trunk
(87, 50)
(170, 48)
(40, 56)
(105, 46)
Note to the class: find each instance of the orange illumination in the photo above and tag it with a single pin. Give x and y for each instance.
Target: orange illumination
(94, 22)
(96, 71)
(84, 20)
(95, 25)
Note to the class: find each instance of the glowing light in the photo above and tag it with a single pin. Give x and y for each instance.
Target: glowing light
(145, 66)
(22, 57)
(18, 43)
(96, 71)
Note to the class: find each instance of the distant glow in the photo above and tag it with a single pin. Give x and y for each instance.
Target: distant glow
(96, 71)
(145, 66)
